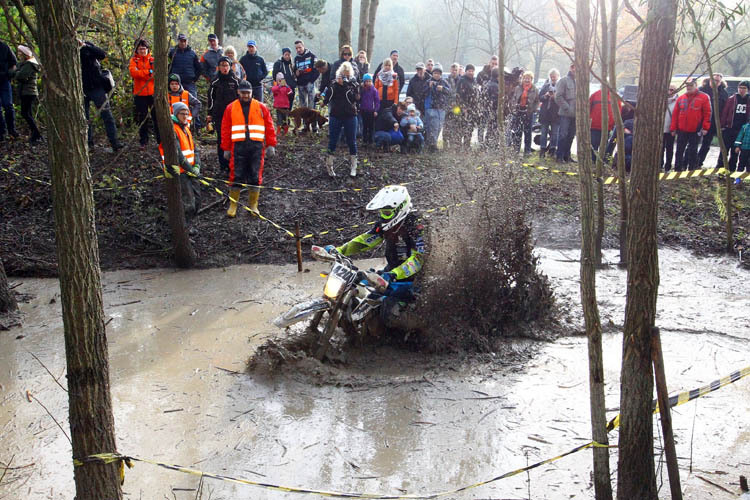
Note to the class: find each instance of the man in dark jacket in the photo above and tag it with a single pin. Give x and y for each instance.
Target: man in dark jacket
(184, 61)
(210, 58)
(285, 65)
(486, 73)
(387, 127)
(221, 93)
(436, 102)
(398, 69)
(548, 117)
(565, 98)
(707, 89)
(733, 117)
(324, 69)
(417, 89)
(8, 63)
(467, 104)
(255, 69)
(305, 74)
(94, 91)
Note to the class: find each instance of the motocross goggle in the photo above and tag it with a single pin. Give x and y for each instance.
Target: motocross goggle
(387, 213)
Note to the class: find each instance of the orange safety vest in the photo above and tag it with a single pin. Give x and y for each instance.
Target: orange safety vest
(184, 98)
(187, 146)
(254, 126)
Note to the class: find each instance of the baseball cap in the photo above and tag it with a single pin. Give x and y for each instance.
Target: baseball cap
(420, 65)
(245, 86)
(181, 36)
(251, 43)
(213, 36)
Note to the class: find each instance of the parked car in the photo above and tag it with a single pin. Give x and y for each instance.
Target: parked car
(405, 85)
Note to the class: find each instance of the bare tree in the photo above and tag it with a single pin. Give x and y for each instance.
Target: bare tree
(92, 424)
(371, 31)
(184, 253)
(635, 474)
(345, 27)
(7, 299)
(501, 63)
(364, 25)
(221, 15)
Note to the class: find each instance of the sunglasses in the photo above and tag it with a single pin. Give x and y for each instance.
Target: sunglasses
(387, 213)
(346, 53)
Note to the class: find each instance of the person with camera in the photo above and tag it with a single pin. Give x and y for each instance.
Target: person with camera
(342, 101)
(548, 117)
(437, 100)
(142, 70)
(96, 88)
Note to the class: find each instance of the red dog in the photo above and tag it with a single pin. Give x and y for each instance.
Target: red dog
(306, 117)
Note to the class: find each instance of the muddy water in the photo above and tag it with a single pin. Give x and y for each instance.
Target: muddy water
(400, 424)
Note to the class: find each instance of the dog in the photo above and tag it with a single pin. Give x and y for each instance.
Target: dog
(308, 118)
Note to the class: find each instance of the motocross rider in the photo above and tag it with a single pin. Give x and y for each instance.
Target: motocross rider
(405, 249)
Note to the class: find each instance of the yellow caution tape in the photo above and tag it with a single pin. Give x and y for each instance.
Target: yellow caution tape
(13, 172)
(47, 183)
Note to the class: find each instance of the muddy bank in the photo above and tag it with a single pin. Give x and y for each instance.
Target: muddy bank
(400, 423)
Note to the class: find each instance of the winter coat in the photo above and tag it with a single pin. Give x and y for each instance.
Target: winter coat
(342, 99)
(565, 96)
(209, 62)
(363, 69)
(692, 112)
(490, 95)
(743, 138)
(388, 95)
(438, 99)
(669, 112)
(142, 70)
(466, 96)
(281, 96)
(369, 99)
(221, 93)
(484, 75)
(385, 120)
(287, 68)
(727, 114)
(548, 109)
(255, 68)
(91, 69)
(185, 63)
(407, 121)
(305, 63)
(27, 75)
(532, 99)
(595, 111)
(723, 98)
(396, 67)
(417, 90)
(7, 61)
(355, 69)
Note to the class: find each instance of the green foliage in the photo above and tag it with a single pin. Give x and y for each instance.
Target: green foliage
(275, 15)
(719, 197)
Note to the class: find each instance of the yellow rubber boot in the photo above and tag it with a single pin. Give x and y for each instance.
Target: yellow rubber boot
(252, 198)
(234, 195)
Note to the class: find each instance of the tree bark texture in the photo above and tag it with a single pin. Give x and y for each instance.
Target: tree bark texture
(635, 478)
(221, 15)
(92, 425)
(183, 250)
(364, 25)
(345, 26)
(603, 138)
(371, 28)
(501, 65)
(7, 299)
(603, 489)
(622, 187)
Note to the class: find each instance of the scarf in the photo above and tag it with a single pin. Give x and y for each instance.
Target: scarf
(386, 77)
(525, 95)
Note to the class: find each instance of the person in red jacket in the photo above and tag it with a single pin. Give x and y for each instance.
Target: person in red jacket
(595, 111)
(247, 134)
(142, 70)
(691, 120)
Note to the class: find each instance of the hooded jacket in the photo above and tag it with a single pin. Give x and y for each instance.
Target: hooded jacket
(193, 103)
(27, 75)
(91, 73)
(185, 63)
(730, 108)
(342, 99)
(287, 68)
(142, 70)
(305, 64)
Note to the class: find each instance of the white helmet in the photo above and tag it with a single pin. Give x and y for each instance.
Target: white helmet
(393, 203)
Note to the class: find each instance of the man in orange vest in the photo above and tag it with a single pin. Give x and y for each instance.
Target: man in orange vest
(247, 134)
(188, 159)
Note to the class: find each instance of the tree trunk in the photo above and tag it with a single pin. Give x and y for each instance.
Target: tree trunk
(183, 249)
(364, 25)
(221, 15)
(635, 475)
(345, 27)
(603, 139)
(603, 489)
(371, 29)
(622, 187)
(92, 426)
(7, 299)
(501, 66)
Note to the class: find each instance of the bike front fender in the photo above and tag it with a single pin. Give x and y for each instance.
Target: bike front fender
(301, 311)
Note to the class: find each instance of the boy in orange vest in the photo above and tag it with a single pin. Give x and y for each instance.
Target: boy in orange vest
(178, 94)
(247, 134)
(188, 159)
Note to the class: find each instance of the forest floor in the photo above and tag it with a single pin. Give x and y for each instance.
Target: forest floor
(134, 233)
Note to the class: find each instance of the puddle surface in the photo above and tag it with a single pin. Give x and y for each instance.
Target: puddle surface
(408, 425)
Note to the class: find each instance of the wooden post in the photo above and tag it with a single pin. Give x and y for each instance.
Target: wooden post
(299, 246)
(666, 416)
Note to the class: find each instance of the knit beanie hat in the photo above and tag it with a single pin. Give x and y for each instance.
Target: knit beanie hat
(177, 107)
(367, 77)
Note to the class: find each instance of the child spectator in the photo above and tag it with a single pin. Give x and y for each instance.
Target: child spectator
(742, 147)
(368, 107)
(178, 94)
(413, 126)
(282, 102)
(387, 84)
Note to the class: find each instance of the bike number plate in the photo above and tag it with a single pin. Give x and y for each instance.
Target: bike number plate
(343, 273)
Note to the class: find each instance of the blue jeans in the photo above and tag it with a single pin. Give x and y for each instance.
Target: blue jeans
(350, 132)
(382, 138)
(415, 141)
(549, 130)
(434, 120)
(307, 95)
(565, 137)
(101, 101)
(6, 98)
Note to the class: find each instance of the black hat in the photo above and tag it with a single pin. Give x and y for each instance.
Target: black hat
(212, 36)
(745, 83)
(174, 77)
(224, 59)
(244, 86)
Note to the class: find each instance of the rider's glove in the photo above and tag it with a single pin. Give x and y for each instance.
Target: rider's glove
(330, 248)
(389, 277)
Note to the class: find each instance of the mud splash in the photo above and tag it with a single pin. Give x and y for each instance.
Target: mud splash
(398, 422)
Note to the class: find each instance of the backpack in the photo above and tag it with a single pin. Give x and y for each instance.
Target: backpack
(108, 81)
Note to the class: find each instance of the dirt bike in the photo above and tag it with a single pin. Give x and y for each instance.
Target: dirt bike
(351, 298)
